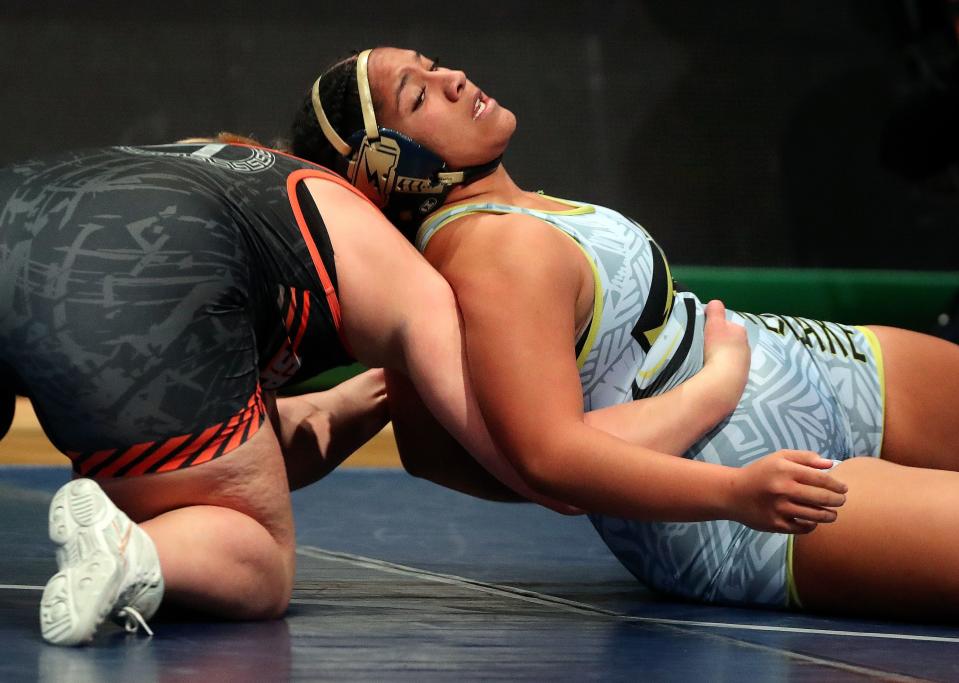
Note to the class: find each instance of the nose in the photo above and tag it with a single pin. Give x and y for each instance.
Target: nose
(454, 83)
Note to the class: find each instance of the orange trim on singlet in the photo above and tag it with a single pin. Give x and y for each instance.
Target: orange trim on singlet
(291, 309)
(285, 362)
(304, 318)
(204, 440)
(127, 456)
(328, 288)
(234, 432)
(211, 442)
(95, 458)
(169, 446)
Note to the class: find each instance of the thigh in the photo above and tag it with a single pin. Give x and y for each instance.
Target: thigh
(921, 409)
(892, 549)
(250, 479)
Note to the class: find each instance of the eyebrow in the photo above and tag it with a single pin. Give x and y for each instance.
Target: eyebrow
(404, 78)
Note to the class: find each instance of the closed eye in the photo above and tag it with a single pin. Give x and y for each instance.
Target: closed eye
(421, 98)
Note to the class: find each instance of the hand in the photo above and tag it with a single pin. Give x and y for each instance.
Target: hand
(725, 355)
(787, 492)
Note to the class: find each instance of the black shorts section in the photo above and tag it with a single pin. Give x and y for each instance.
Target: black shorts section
(318, 230)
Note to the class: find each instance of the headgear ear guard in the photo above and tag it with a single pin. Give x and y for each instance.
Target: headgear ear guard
(402, 177)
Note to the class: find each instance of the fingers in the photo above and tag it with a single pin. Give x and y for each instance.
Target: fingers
(715, 309)
(809, 459)
(797, 526)
(812, 495)
(814, 474)
(820, 479)
(809, 513)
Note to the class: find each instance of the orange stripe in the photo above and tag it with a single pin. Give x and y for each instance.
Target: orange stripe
(291, 308)
(209, 443)
(168, 447)
(199, 443)
(243, 432)
(130, 454)
(304, 317)
(95, 459)
(236, 429)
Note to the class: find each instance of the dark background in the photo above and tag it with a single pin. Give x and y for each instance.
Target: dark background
(751, 132)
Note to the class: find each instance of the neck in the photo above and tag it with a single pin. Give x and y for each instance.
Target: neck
(497, 187)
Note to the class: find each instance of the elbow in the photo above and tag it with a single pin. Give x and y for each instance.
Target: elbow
(414, 466)
(540, 468)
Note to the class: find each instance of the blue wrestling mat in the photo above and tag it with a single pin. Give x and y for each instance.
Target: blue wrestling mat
(399, 579)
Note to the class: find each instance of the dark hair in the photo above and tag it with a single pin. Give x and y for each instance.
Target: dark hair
(341, 103)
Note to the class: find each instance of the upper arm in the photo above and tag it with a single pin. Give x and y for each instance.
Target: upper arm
(429, 451)
(517, 282)
(399, 313)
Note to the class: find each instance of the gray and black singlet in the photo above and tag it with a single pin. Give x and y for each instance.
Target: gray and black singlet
(148, 295)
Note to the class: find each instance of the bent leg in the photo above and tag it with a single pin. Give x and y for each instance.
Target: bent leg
(922, 410)
(223, 530)
(892, 551)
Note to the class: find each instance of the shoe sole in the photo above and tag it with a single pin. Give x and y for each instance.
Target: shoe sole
(78, 598)
(74, 520)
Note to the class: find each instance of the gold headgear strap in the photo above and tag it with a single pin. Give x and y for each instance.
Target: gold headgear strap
(366, 97)
(366, 105)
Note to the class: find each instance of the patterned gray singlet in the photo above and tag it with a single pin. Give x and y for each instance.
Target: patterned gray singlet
(812, 385)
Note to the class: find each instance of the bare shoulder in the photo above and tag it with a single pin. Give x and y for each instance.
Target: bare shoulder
(501, 241)
(489, 254)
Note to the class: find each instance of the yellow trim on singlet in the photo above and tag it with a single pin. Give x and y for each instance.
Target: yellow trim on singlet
(597, 306)
(580, 209)
(873, 342)
(666, 356)
(577, 210)
(792, 594)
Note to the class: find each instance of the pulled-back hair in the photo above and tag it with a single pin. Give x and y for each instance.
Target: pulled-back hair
(341, 103)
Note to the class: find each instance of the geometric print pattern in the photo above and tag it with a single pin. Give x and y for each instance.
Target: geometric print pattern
(812, 385)
(796, 397)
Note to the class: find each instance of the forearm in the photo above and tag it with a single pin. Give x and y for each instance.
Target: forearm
(429, 452)
(671, 422)
(318, 431)
(599, 473)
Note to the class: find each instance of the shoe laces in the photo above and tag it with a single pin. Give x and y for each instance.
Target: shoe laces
(133, 621)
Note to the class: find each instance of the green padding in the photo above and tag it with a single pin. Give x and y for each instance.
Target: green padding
(907, 299)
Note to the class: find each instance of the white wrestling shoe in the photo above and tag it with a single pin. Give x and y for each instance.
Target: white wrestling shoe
(108, 567)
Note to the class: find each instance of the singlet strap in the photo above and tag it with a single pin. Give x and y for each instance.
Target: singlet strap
(328, 288)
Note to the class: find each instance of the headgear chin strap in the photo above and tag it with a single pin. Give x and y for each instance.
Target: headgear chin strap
(402, 177)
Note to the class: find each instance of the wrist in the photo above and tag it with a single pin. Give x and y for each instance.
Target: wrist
(721, 389)
(730, 493)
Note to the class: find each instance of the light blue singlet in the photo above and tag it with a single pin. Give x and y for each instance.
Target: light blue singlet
(812, 386)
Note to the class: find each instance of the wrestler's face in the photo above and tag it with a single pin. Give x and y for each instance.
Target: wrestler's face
(438, 108)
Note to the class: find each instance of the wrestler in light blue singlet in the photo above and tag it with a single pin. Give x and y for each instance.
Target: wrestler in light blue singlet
(812, 385)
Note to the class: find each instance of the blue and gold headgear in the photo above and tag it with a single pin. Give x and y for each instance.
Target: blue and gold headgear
(400, 176)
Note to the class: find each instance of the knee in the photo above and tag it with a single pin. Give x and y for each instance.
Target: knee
(279, 576)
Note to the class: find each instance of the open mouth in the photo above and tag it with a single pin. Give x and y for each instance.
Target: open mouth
(480, 105)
